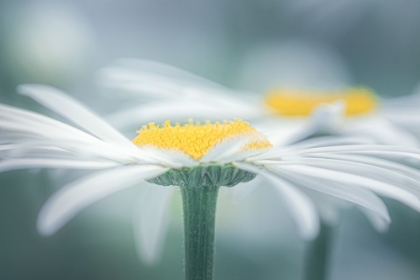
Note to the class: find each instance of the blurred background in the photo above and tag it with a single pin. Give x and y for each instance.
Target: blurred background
(253, 45)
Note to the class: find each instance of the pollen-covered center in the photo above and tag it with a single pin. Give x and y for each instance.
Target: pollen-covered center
(197, 139)
(296, 103)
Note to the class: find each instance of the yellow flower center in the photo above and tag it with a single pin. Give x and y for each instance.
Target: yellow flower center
(197, 139)
(297, 103)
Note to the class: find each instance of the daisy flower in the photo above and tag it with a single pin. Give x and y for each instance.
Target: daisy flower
(164, 92)
(199, 159)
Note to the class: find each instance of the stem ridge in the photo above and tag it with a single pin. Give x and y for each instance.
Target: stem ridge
(199, 205)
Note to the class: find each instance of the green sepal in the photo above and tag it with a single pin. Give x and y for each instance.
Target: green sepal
(209, 175)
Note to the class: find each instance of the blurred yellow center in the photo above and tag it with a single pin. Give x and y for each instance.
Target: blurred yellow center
(197, 139)
(296, 103)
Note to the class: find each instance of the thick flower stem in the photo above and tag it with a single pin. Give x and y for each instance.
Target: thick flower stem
(199, 203)
(317, 259)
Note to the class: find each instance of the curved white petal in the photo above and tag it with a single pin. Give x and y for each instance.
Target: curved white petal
(328, 117)
(166, 157)
(151, 221)
(227, 148)
(324, 141)
(377, 221)
(25, 123)
(243, 155)
(157, 80)
(80, 150)
(137, 69)
(382, 188)
(284, 131)
(240, 192)
(76, 196)
(347, 192)
(364, 149)
(300, 206)
(403, 116)
(139, 85)
(14, 164)
(14, 151)
(69, 108)
(329, 207)
(388, 175)
(180, 111)
(164, 69)
(311, 145)
(381, 129)
(390, 165)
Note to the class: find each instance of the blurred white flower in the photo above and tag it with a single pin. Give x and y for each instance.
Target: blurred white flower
(162, 92)
(351, 172)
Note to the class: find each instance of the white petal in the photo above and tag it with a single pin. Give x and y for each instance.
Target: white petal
(138, 84)
(341, 177)
(368, 202)
(80, 150)
(329, 207)
(76, 196)
(329, 117)
(332, 141)
(388, 175)
(151, 221)
(69, 108)
(27, 151)
(155, 80)
(227, 148)
(142, 67)
(377, 221)
(176, 111)
(28, 123)
(366, 149)
(240, 192)
(284, 131)
(332, 144)
(381, 129)
(243, 155)
(13, 164)
(348, 192)
(146, 84)
(326, 118)
(405, 117)
(164, 69)
(167, 157)
(300, 206)
(390, 165)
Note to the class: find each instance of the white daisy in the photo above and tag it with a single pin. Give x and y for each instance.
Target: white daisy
(191, 156)
(284, 115)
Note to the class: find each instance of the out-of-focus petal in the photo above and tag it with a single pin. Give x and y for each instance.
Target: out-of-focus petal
(300, 206)
(76, 196)
(69, 108)
(151, 220)
(382, 188)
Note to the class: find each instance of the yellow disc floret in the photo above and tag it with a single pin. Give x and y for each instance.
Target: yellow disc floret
(197, 139)
(295, 103)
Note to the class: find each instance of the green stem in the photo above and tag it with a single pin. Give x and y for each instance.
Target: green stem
(317, 259)
(199, 203)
